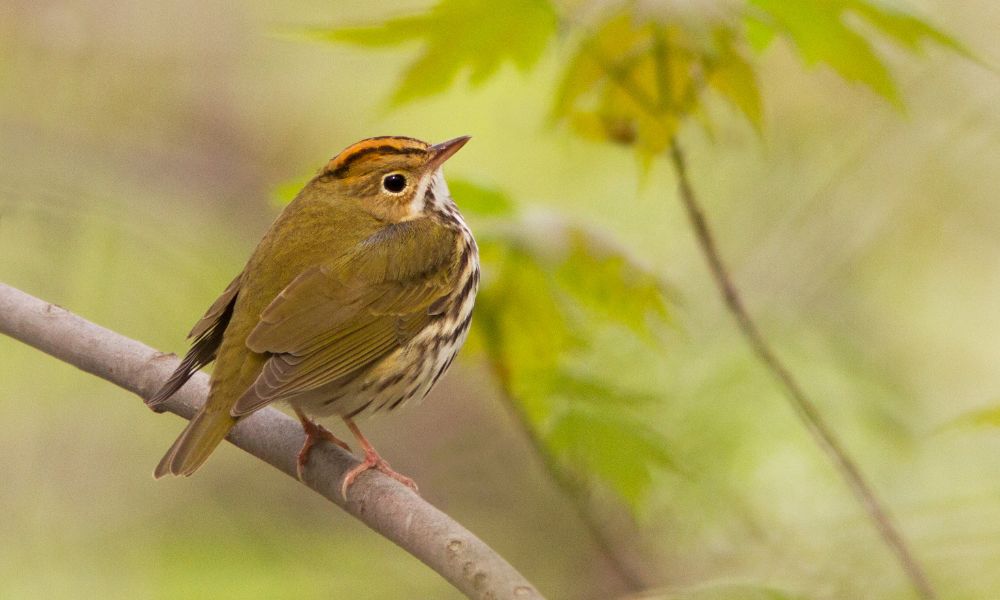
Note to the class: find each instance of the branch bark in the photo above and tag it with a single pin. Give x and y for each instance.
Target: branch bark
(804, 407)
(381, 503)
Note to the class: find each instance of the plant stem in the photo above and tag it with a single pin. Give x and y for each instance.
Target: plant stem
(804, 407)
(575, 490)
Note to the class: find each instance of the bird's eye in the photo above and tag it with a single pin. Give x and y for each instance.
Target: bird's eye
(394, 183)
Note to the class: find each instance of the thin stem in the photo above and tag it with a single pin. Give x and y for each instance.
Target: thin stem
(804, 407)
(572, 487)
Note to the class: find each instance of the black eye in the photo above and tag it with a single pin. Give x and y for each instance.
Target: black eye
(394, 183)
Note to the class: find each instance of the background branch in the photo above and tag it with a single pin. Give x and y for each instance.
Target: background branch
(620, 555)
(804, 407)
(381, 503)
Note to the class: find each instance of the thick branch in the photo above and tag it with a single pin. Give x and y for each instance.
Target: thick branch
(378, 501)
(804, 407)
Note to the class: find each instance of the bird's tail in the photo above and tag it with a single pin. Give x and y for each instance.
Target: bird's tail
(196, 443)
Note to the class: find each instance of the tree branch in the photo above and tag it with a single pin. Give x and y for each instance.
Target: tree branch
(379, 502)
(804, 407)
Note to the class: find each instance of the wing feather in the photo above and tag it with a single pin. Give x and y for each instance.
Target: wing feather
(335, 319)
(207, 334)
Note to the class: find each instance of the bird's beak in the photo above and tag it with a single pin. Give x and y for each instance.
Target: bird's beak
(443, 151)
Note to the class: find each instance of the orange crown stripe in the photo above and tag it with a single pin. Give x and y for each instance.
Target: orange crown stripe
(383, 144)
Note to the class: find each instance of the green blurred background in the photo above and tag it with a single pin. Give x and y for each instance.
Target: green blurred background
(140, 144)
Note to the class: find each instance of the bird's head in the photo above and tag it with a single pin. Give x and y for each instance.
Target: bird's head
(393, 178)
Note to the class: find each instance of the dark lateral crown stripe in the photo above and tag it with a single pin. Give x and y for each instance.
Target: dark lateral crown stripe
(342, 163)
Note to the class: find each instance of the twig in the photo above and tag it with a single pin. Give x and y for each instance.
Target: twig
(804, 407)
(381, 503)
(633, 576)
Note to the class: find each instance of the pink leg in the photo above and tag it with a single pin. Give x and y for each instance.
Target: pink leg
(372, 460)
(313, 431)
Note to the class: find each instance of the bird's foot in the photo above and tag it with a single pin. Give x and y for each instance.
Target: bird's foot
(314, 432)
(372, 460)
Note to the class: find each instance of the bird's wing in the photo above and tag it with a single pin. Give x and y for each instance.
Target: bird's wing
(335, 319)
(215, 312)
(207, 334)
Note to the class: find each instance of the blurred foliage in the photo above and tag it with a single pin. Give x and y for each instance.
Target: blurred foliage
(823, 32)
(480, 201)
(458, 35)
(634, 79)
(637, 72)
(550, 289)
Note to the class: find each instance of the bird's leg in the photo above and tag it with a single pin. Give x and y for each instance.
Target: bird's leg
(313, 431)
(372, 460)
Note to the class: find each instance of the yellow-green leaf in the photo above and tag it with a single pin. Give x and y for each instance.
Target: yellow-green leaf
(907, 30)
(732, 76)
(821, 36)
(473, 36)
(552, 295)
(479, 200)
(611, 284)
(611, 443)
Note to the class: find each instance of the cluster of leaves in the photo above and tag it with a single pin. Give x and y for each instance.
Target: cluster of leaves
(833, 32)
(551, 290)
(635, 79)
(476, 35)
(637, 72)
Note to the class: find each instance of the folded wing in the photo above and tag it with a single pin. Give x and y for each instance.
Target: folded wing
(336, 319)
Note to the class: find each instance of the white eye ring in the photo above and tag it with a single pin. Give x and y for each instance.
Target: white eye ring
(395, 184)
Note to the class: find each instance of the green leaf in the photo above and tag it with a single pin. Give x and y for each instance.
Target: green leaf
(478, 200)
(733, 77)
(590, 65)
(759, 34)
(582, 268)
(820, 35)
(906, 30)
(458, 35)
(586, 387)
(551, 291)
(611, 284)
(624, 85)
(611, 443)
(635, 80)
(527, 312)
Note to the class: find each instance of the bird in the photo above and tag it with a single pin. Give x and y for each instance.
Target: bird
(356, 300)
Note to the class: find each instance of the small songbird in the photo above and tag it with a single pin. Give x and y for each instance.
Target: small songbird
(356, 300)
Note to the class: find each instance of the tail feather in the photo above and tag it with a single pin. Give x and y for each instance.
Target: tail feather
(195, 444)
